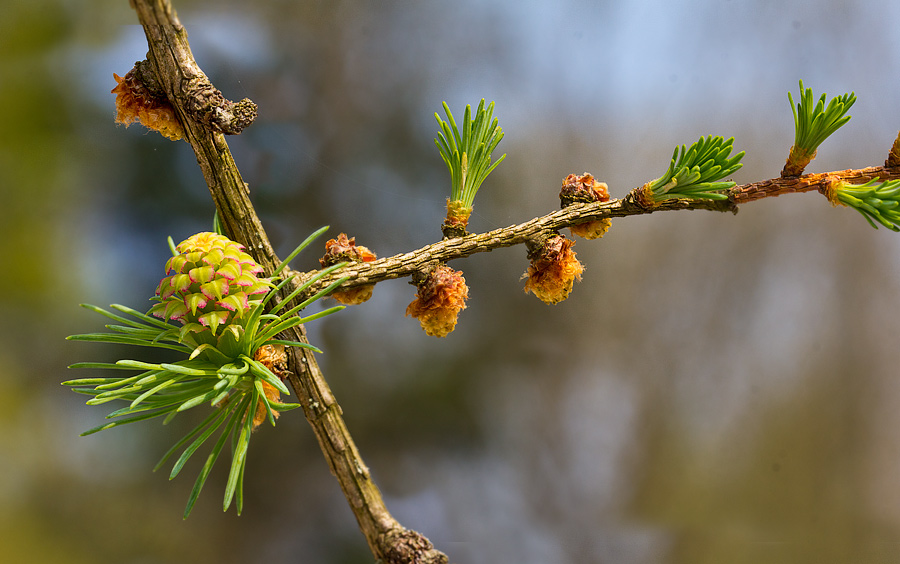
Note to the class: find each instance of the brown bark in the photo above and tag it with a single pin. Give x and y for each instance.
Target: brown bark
(406, 264)
(205, 115)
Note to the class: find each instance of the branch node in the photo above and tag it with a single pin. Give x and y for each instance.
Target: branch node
(582, 188)
(535, 245)
(146, 75)
(893, 159)
(205, 104)
(420, 275)
(404, 546)
(457, 219)
(640, 198)
(796, 162)
(829, 188)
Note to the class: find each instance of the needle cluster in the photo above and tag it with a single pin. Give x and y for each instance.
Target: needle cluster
(695, 173)
(878, 202)
(813, 123)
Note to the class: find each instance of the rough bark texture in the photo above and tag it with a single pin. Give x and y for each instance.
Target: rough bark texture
(205, 115)
(778, 186)
(403, 265)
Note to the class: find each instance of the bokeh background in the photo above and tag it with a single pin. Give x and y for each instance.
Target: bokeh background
(718, 388)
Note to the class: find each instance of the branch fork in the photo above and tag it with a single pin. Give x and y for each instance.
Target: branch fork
(179, 75)
(205, 115)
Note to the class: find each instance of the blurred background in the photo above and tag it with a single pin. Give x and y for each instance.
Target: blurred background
(718, 388)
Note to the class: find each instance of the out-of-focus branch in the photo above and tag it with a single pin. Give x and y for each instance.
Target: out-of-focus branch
(201, 112)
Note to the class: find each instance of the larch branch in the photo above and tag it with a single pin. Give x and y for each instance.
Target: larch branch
(205, 116)
(200, 109)
(406, 264)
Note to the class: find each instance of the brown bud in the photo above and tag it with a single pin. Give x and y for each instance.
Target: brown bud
(582, 189)
(553, 270)
(274, 358)
(343, 249)
(591, 229)
(262, 413)
(136, 102)
(440, 298)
